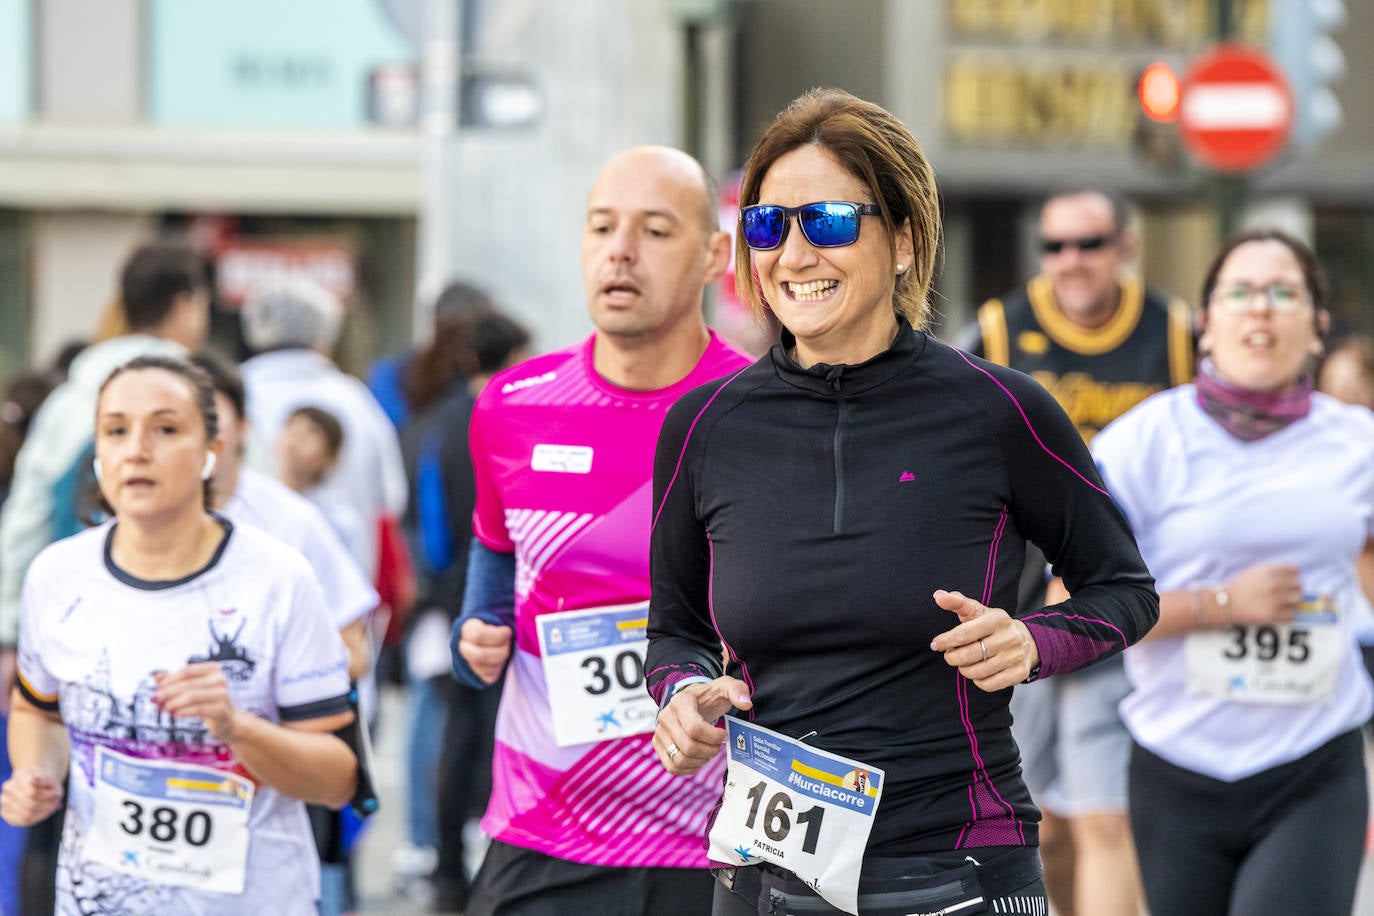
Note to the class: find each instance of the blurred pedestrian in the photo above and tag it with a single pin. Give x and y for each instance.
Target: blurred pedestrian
(1100, 341)
(165, 300)
(452, 724)
(293, 326)
(247, 496)
(402, 380)
(23, 394)
(165, 303)
(1253, 500)
(1347, 372)
(583, 819)
(307, 450)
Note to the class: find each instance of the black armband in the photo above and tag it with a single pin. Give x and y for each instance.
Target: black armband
(355, 734)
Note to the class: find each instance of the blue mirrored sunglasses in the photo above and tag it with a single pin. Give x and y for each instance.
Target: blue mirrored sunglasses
(825, 224)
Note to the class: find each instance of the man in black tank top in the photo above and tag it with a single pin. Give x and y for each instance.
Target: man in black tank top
(1098, 340)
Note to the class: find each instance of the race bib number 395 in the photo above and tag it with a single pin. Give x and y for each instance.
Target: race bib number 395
(594, 668)
(796, 806)
(170, 823)
(1291, 663)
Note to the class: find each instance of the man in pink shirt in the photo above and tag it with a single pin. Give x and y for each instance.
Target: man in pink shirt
(583, 818)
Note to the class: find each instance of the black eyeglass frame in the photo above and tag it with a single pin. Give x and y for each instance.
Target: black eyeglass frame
(791, 213)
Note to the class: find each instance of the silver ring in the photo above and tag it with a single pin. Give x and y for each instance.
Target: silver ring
(672, 752)
(984, 646)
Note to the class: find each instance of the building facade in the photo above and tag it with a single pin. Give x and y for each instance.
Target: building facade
(1011, 100)
(292, 138)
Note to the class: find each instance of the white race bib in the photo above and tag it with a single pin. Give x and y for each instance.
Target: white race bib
(796, 806)
(594, 668)
(170, 823)
(1291, 663)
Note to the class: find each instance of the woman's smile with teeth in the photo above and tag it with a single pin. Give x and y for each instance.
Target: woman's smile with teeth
(816, 289)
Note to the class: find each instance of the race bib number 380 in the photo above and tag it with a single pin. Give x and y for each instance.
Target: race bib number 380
(594, 668)
(170, 823)
(799, 807)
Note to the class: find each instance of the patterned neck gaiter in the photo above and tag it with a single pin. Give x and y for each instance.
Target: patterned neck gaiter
(1250, 415)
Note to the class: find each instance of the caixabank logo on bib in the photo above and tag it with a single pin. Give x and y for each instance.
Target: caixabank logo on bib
(617, 719)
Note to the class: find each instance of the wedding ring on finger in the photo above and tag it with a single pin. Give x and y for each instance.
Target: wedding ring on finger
(672, 751)
(984, 646)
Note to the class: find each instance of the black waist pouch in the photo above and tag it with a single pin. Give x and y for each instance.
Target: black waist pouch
(919, 887)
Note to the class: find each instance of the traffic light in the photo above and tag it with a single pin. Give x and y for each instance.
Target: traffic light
(1158, 87)
(1300, 42)
(1154, 138)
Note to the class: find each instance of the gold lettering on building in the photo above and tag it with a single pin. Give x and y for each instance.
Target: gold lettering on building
(992, 101)
(1063, 72)
(1119, 23)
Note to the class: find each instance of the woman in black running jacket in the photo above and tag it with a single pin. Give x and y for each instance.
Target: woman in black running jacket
(848, 518)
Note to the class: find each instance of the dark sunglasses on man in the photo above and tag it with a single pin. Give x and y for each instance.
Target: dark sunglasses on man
(1087, 243)
(825, 224)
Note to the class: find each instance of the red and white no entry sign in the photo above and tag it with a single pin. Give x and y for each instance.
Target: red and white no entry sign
(1235, 108)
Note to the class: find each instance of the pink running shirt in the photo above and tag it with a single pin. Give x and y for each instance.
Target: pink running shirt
(564, 467)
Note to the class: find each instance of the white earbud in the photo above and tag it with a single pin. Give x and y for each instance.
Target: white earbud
(209, 468)
(95, 466)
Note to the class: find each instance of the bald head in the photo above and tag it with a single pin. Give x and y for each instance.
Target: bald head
(650, 245)
(676, 172)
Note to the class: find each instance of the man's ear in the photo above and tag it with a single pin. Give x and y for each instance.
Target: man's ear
(717, 254)
(1127, 245)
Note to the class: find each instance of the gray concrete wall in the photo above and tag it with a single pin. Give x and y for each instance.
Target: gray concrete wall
(90, 60)
(610, 80)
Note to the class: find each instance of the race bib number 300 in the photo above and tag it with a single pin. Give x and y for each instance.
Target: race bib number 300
(594, 668)
(799, 807)
(170, 823)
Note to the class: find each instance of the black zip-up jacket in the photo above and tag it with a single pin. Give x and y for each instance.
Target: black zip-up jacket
(804, 517)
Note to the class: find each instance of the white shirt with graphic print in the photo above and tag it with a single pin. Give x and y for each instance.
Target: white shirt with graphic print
(92, 638)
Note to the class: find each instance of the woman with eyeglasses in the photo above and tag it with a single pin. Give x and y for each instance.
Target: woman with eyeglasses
(180, 677)
(1253, 500)
(848, 518)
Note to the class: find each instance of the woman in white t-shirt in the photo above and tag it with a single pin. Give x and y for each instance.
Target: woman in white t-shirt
(1252, 499)
(182, 675)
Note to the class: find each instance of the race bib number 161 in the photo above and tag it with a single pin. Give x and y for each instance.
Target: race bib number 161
(796, 806)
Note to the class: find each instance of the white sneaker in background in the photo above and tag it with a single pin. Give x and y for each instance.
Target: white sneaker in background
(411, 870)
